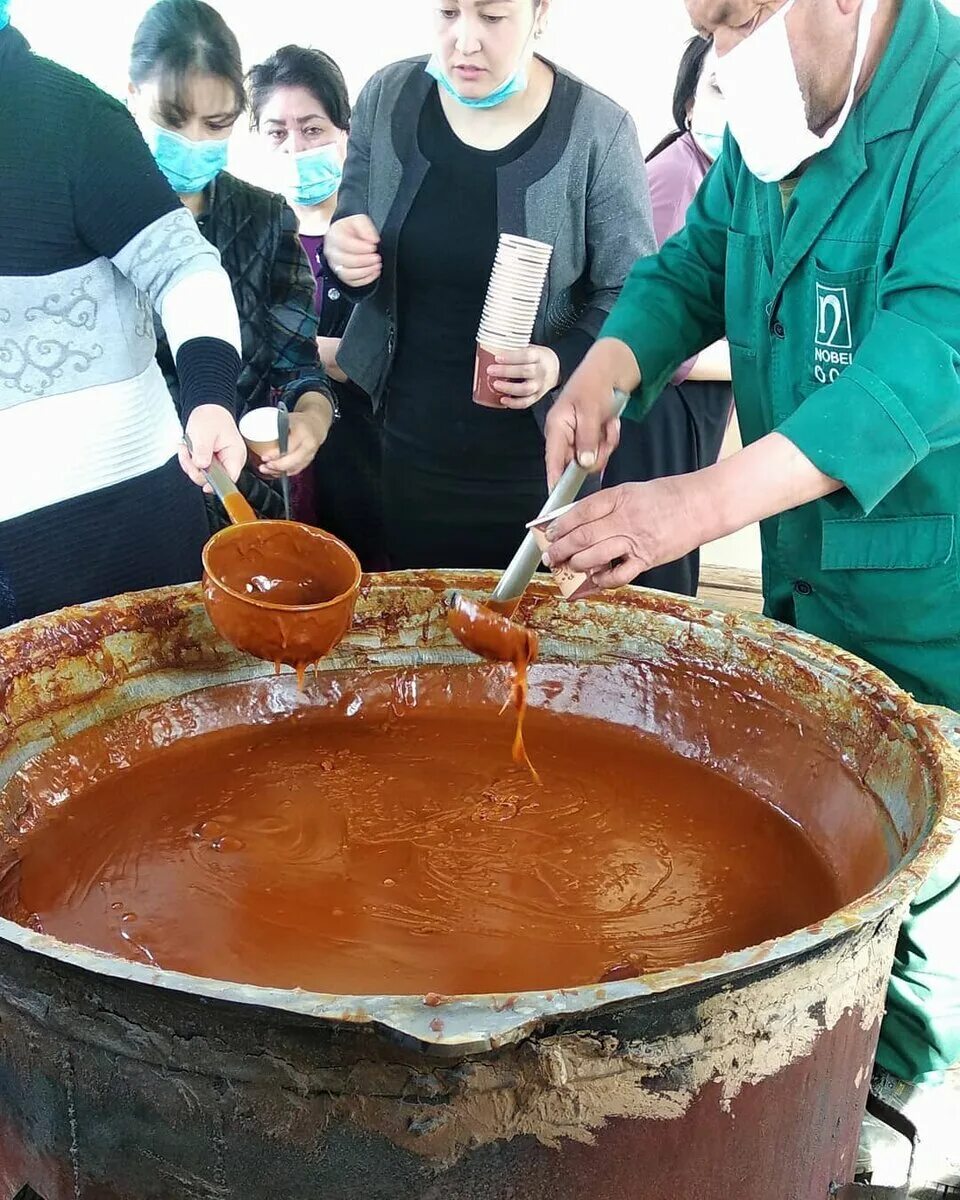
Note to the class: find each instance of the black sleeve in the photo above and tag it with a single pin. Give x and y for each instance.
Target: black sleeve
(118, 189)
(208, 369)
(353, 199)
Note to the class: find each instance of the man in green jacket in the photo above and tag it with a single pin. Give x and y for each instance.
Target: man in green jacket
(825, 246)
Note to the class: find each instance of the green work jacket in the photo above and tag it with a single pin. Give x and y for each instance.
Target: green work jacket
(843, 318)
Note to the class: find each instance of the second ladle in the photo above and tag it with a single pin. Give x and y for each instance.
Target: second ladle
(484, 627)
(279, 590)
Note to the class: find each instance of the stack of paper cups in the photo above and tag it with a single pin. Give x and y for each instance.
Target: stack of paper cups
(510, 312)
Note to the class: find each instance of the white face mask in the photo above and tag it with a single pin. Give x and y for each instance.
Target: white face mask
(765, 106)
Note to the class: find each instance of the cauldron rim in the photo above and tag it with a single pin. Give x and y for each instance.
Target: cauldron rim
(474, 1024)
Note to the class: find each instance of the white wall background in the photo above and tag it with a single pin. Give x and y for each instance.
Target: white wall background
(606, 42)
(627, 48)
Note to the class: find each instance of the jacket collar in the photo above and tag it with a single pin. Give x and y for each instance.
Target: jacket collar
(889, 105)
(891, 101)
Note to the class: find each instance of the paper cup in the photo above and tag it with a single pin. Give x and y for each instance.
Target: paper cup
(522, 268)
(522, 303)
(572, 585)
(516, 293)
(260, 429)
(512, 241)
(523, 311)
(483, 391)
(509, 320)
(502, 275)
(521, 315)
(493, 328)
(502, 340)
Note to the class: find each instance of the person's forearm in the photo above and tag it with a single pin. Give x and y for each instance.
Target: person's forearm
(327, 348)
(316, 404)
(769, 477)
(617, 361)
(712, 365)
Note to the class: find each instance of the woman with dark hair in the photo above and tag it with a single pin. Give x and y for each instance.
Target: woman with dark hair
(685, 89)
(691, 417)
(447, 152)
(301, 109)
(92, 242)
(187, 92)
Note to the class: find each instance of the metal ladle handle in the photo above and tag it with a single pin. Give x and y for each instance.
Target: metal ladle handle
(523, 566)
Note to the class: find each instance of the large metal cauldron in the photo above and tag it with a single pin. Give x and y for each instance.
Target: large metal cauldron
(744, 1077)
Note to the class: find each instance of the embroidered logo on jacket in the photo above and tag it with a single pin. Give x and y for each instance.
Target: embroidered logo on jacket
(834, 340)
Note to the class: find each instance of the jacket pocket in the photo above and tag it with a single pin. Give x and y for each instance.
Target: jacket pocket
(844, 311)
(742, 293)
(896, 577)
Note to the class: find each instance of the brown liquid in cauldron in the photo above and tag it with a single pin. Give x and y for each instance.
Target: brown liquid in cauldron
(373, 846)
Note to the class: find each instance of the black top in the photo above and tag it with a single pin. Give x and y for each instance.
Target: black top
(445, 255)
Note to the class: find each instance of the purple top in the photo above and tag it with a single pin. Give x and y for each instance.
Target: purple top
(313, 247)
(675, 177)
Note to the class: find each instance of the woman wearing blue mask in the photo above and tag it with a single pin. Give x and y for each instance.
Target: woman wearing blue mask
(482, 137)
(687, 424)
(301, 109)
(187, 93)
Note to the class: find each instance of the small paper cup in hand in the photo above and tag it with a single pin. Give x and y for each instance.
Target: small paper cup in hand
(260, 429)
(572, 585)
(484, 392)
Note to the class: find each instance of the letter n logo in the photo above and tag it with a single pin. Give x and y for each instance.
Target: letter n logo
(833, 318)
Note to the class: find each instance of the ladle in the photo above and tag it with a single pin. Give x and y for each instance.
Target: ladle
(283, 438)
(484, 627)
(279, 590)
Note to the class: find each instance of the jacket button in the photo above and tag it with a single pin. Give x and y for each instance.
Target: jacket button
(802, 588)
(778, 330)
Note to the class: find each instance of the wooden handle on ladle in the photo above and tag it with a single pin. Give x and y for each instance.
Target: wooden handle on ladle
(226, 491)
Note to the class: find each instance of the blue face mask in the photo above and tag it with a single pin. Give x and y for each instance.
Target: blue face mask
(189, 166)
(313, 175)
(710, 142)
(4, 13)
(511, 87)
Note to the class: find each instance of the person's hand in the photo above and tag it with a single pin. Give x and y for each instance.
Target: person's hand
(616, 534)
(309, 425)
(582, 423)
(522, 377)
(352, 251)
(327, 348)
(213, 433)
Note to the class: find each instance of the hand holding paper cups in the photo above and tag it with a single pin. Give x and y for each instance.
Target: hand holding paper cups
(523, 377)
(506, 327)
